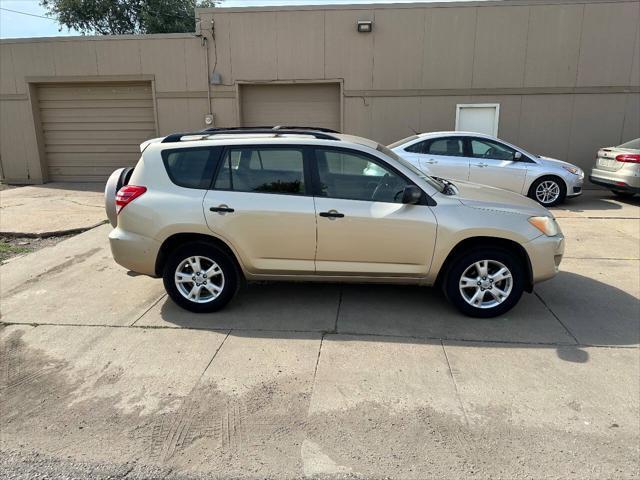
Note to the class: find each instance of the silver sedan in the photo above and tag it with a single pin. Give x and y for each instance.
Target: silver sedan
(487, 160)
(618, 169)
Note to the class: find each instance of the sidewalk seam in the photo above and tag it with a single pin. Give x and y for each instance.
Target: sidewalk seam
(374, 335)
(55, 233)
(215, 354)
(335, 325)
(455, 384)
(315, 370)
(575, 339)
(148, 309)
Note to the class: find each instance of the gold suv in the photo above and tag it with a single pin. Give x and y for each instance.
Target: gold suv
(209, 209)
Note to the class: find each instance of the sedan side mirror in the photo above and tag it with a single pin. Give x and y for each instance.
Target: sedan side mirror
(517, 156)
(411, 195)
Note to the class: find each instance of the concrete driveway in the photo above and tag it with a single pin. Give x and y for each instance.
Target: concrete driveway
(103, 376)
(51, 209)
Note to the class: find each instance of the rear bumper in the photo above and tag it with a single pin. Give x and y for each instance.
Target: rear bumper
(625, 179)
(134, 252)
(615, 181)
(545, 254)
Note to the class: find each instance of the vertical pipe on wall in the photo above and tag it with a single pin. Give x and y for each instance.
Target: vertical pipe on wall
(205, 44)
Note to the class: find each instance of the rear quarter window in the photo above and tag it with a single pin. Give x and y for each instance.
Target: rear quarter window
(191, 167)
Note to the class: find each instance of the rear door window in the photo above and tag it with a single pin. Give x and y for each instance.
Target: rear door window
(262, 170)
(448, 147)
(417, 147)
(191, 167)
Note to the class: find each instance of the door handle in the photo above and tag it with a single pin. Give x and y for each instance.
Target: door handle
(222, 209)
(431, 161)
(481, 165)
(331, 214)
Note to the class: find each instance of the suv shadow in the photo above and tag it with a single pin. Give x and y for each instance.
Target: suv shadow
(550, 317)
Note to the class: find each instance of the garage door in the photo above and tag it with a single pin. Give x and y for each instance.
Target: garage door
(90, 129)
(304, 105)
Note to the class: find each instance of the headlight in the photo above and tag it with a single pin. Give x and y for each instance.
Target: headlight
(546, 225)
(574, 170)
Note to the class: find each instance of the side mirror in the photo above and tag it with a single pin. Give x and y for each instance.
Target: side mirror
(517, 156)
(411, 195)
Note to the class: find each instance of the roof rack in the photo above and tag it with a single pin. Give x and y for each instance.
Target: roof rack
(319, 133)
(273, 127)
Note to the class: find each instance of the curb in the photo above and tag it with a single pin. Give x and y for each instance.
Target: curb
(56, 233)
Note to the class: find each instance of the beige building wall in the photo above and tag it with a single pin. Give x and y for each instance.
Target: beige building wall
(565, 72)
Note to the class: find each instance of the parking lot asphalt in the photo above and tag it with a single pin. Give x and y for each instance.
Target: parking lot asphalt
(101, 375)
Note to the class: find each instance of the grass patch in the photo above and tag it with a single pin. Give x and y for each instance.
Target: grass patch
(7, 250)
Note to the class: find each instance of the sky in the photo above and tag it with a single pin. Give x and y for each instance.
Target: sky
(15, 25)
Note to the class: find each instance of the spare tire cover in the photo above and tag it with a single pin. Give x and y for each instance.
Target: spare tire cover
(117, 180)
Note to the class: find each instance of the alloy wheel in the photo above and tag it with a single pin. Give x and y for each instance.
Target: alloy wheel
(486, 284)
(547, 192)
(199, 279)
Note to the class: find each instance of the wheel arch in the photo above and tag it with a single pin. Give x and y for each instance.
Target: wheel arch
(490, 242)
(174, 241)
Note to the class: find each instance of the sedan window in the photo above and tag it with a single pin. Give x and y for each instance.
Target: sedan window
(450, 147)
(417, 147)
(482, 148)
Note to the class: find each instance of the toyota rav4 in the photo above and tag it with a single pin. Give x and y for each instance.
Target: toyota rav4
(208, 210)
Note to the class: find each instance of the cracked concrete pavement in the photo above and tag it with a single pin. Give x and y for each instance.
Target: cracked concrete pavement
(102, 376)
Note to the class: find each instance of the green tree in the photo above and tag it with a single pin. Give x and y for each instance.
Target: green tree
(119, 17)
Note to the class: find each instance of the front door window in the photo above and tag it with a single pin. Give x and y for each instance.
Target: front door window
(353, 176)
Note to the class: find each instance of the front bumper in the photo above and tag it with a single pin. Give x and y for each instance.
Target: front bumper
(574, 185)
(545, 254)
(134, 252)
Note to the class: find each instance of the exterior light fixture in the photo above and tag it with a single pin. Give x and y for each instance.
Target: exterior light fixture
(365, 26)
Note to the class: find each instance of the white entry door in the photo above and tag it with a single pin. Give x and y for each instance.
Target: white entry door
(478, 118)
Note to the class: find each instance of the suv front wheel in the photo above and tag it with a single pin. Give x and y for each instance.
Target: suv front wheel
(200, 277)
(485, 282)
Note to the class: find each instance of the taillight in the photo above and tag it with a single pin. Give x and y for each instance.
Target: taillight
(628, 158)
(126, 195)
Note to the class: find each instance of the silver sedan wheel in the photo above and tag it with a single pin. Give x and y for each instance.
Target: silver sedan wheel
(199, 279)
(486, 284)
(547, 192)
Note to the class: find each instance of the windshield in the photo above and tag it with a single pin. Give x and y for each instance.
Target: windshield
(632, 145)
(439, 186)
(401, 142)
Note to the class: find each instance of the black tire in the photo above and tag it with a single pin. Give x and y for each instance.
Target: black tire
(625, 195)
(451, 284)
(561, 186)
(229, 275)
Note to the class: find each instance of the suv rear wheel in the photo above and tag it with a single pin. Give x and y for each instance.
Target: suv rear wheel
(199, 277)
(485, 282)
